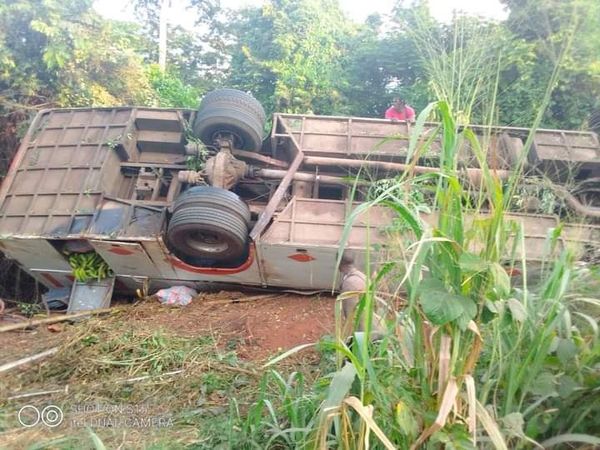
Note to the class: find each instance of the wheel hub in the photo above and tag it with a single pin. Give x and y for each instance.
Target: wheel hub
(208, 242)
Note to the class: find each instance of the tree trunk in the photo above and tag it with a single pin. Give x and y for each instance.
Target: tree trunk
(162, 34)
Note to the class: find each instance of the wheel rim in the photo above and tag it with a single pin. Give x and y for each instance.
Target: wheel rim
(208, 242)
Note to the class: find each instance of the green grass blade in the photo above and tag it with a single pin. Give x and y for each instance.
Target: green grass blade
(571, 439)
(288, 354)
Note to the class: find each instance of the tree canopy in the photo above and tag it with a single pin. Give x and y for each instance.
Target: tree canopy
(306, 56)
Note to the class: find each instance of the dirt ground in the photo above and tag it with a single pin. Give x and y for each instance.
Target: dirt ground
(255, 326)
(227, 336)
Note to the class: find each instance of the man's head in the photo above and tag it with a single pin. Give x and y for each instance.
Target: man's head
(347, 261)
(399, 104)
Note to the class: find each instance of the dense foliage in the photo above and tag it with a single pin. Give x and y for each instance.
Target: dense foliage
(305, 56)
(476, 353)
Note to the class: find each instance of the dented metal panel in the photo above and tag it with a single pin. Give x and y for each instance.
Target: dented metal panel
(53, 279)
(321, 222)
(35, 253)
(341, 136)
(69, 166)
(63, 168)
(120, 219)
(126, 258)
(362, 137)
(307, 267)
(171, 267)
(91, 295)
(570, 146)
(249, 274)
(40, 259)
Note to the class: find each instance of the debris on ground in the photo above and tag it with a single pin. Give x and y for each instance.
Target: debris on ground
(57, 298)
(176, 295)
(29, 323)
(55, 328)
(256, 326)
(28, 359)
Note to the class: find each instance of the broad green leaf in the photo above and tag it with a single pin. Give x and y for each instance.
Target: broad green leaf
(406, 420)
(407, 215)
(468, 305)
(469, 311)
(472, 263)
(566, 386)
(544, 384)
(417, 132)
(455, 438)
(566, 351)
(494, 306)
(517, 310)
(438, 304)
(501, 279)
(340, 386)
(513, 424)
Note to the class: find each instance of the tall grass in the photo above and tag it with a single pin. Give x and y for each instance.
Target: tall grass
(471, 359)
(451, 272)
(462, 61)
(474, 358)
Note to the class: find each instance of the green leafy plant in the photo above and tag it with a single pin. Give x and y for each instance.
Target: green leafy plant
(28, 309)
(473, 356)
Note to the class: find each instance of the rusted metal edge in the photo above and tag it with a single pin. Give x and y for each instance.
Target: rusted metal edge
(268, 212)
(470, 126)
(139, 165)
(119, 108)
(472, 173)
(262, 158)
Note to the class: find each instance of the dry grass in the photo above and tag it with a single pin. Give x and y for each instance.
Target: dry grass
(185, 384)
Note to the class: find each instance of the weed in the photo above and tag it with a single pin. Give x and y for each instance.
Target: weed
(474, 357)
(115, 372)
(197, 160)
(29, 309)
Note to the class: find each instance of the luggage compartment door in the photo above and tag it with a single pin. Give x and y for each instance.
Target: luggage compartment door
(126, 258)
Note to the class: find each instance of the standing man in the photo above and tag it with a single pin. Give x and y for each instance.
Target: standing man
(354, 284)
(400, 111)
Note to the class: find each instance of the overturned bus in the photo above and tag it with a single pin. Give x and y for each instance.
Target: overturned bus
(175, 196)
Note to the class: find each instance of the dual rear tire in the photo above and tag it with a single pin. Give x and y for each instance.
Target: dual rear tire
(209, 226)
(230, 113)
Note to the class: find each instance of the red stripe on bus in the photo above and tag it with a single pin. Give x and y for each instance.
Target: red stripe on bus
(52, 280)
(176, 262)
(120, 250)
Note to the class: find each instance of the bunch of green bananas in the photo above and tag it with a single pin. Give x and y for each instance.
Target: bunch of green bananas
(89, 266)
